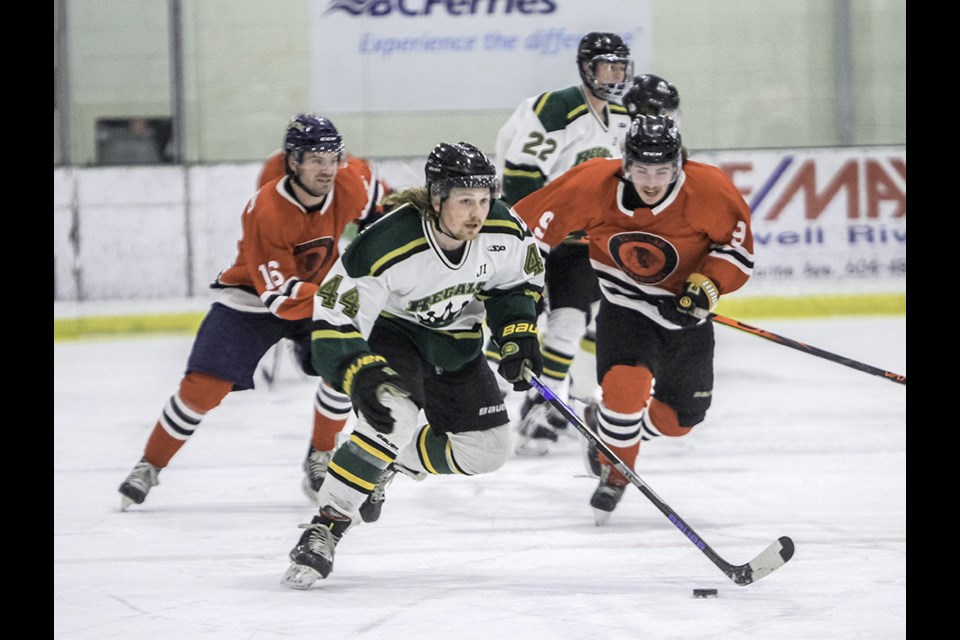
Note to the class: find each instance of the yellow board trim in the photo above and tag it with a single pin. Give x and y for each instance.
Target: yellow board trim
(747, 308)
(881, 304)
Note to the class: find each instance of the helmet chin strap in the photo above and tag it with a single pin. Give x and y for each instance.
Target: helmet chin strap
(299, 183)
(436, 223)
(444, 231)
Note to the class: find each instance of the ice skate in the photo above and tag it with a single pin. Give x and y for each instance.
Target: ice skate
(591, 454)
(540, 425)
(370, 509)
(312, 558)
(314, 470)
(608, 494)
(135, 488)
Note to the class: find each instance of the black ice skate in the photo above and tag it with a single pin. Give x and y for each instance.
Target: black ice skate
(608, 494)
(370, 509)
(591, 454)
(312, 558)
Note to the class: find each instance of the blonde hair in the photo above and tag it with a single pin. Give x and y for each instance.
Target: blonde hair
(417, 197)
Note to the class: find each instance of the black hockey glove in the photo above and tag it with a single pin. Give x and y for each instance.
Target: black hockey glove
(364, 380)
(519, 348)
(699, 293)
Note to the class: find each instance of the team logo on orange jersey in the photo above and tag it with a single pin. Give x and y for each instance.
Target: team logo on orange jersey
(646, 258)
(313, 259)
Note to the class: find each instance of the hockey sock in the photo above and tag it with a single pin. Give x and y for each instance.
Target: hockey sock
(583, 371)
(198, 394)
(357, 466)
(331, 410)
(556, 365)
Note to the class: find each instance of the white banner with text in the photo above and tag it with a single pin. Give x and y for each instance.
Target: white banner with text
(422, 55)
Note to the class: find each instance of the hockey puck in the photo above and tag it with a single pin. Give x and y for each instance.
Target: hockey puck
(704, 593)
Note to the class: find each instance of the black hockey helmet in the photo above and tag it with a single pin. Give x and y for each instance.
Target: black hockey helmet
(309, 132)
(459, 165)
(599, 46)
(652, 140)
(651, 95)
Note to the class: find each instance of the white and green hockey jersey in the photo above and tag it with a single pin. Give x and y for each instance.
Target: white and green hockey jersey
(395, 273)
(549, 133)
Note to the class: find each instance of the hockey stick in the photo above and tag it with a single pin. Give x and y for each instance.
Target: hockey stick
(770, 559)
(270, 369)
(799, 346)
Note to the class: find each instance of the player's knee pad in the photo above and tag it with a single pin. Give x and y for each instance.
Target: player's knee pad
(583, 371)
(565, 326)
(476, 452)
(626, 389)
(202, 392)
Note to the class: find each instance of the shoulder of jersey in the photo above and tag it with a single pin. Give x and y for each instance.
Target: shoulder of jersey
(618, 109)
(500, 220)
(360, 165)
(703, 171)
(557, 109)
(272, 169)
(700, 175)
(356, 171)
(392, 239)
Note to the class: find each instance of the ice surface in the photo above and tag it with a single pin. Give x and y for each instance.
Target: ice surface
(794, 445)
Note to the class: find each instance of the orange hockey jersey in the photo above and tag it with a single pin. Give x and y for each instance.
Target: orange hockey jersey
(642, 255)
(285, 250)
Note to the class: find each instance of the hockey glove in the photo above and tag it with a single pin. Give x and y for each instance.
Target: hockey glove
(699, 293)
(519, 348)
(365, 380)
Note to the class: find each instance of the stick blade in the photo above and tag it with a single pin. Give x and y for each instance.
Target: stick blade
(769, 560)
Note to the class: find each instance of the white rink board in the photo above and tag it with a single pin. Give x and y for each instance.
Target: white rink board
(825, 221)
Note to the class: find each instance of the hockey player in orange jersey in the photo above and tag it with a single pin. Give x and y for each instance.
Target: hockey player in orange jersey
(291, 228)
(274, 168)
(665, 236)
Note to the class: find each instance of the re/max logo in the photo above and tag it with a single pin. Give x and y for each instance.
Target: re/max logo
(380, 8)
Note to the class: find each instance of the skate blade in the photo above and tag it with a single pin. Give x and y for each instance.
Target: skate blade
(299, 577)
(531, 447)
(601, 517)
(125, 502)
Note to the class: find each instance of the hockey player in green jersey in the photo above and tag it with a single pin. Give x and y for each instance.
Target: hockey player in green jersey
(399, 328)
(546, 136)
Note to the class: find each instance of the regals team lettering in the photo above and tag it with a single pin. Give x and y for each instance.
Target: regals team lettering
(286, 250)
(641, 255)
(396, 272)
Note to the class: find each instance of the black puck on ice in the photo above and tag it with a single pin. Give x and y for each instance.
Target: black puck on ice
(704, 593)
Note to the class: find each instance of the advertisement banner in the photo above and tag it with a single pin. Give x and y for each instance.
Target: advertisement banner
(423, 55)
(824, 219)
